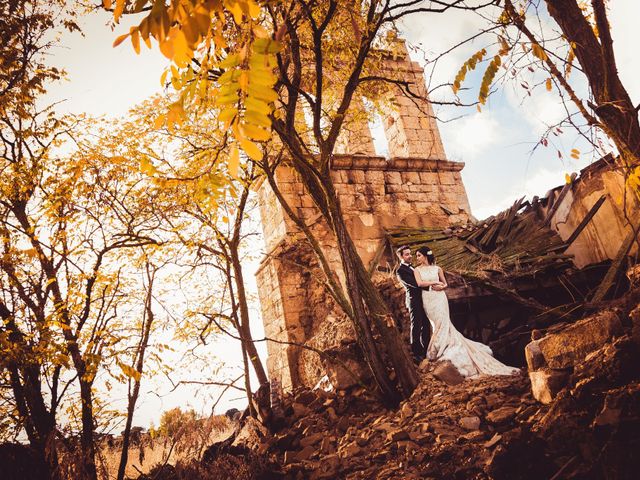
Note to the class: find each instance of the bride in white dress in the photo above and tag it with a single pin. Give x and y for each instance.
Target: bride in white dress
(470, 358)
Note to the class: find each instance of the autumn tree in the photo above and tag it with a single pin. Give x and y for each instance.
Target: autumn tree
(205, 201)
(66, 222)
(261, 67)
(25, 27)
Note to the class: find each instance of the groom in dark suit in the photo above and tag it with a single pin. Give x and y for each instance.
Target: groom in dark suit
(420, 333)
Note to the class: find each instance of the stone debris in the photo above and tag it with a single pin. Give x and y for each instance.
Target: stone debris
(488, 427)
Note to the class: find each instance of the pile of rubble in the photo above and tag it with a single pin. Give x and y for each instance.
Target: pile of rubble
(491, 427)
(446, 428)
(583, 424)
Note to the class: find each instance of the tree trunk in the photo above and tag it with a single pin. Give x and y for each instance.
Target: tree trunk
(86, 438)
(373, 357)
(25, 380)
(369, 296)
(133, 398)
(245, 328)
(39, 422)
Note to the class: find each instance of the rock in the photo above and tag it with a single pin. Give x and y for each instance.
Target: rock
(328, 467)
(494, 440)
(526, 412)
(406, 411)
(571, 345)
(470, 423)
(446, 372)
(311, 439)
(545, 384)
(343, 424)
(305, 397)
(305, 453)
(331, 412)
(635, 324)
(300, 410)
(289, 457)
(328, 445)
(608, 416)
(610, 413)
(395, 435)
(492, 400)
(533, 355)
(250, 434)
(633, 274)
(349, 450)
(501, 415)
(473, 436)
(446, 438)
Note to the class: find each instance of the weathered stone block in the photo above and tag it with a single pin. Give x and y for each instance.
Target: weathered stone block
(546, 383)
(571, 345)
(356, 176)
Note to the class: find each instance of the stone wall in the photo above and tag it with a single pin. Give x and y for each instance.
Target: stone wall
(416, 187)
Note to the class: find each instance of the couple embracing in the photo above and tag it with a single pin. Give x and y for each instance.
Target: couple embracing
(433, 335)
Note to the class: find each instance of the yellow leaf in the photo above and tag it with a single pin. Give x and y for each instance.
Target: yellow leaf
(234, 161)
(230, 61)
(106, 4)
(146, 166)
(166, 47)
(262, 92)
(181, 51)
(163, 77)
(259, 31)
(257, 105)
(256, 133)
(117, 12)
(567, 178)
(228, 99)
(538, 51)
(266, 45)
(251, 149)
(227, 114)
(548, 84)
(135, 39)
(243, 80)
(257, 118)
(159, 121)
(236, 11)
(120, 39)
(254, 9)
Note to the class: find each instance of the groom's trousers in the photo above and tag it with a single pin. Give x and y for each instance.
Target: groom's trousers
(420, 333)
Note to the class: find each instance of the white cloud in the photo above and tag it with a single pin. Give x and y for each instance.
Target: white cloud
(537, 184)
(472, 136)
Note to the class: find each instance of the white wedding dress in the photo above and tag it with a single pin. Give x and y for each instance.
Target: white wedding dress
(469, 357)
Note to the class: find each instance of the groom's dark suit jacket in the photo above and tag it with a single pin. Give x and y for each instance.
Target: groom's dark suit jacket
(414, 292)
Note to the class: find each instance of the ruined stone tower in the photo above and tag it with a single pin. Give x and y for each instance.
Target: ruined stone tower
(415, 187)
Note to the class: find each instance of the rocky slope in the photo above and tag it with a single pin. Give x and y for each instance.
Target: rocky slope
(485, 428)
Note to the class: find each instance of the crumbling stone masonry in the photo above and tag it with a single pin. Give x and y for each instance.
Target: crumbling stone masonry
(417, 186)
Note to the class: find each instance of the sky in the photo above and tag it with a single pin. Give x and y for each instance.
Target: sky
(495, 144)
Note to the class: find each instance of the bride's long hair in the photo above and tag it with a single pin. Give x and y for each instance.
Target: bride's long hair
(426, 252)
